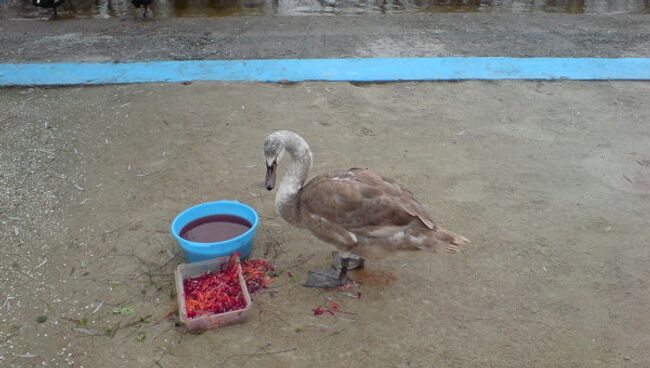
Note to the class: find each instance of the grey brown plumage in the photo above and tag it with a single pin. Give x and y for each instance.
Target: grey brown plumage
(368, 214)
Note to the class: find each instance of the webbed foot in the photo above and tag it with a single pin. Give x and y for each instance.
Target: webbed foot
(327, 278)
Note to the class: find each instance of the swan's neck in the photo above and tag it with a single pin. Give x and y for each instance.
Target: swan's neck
(300, 158)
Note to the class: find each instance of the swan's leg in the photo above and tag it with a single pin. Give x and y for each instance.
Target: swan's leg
(331, 277)
(343, 275)
(354, 260)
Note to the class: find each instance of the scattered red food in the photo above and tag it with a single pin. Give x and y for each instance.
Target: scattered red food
(289, 274)
(255, 274)
(334, 307)
(347, 286)
(321, 310)
(220, 292)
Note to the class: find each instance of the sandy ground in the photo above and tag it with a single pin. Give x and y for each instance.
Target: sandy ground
(549, 180)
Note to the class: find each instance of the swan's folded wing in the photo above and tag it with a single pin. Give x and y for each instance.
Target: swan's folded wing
(360, 202)
(401, 194)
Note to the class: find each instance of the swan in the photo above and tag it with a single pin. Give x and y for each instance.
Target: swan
(358, 211)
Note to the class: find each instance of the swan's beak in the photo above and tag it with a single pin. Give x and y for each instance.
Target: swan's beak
(270, 175)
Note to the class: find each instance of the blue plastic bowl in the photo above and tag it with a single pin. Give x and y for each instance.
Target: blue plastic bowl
(195, 252)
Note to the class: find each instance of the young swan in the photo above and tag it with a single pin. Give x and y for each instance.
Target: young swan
(355, 210)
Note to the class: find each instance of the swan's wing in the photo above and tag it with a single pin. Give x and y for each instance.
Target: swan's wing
(359, 202)
(408, 201)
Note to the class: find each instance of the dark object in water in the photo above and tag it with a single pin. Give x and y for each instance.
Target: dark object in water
(48, 4)
(215, 228)
(142, 3)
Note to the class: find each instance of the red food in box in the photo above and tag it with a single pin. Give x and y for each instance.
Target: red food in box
(220, 292)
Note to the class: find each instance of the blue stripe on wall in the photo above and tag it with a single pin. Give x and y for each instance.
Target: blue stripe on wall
(352, 70)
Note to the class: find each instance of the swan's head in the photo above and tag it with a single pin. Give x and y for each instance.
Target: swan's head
(273, 152)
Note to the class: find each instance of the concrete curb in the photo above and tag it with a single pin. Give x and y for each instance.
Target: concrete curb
(333, 70)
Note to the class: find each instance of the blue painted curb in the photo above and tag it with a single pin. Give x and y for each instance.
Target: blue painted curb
(333, 70)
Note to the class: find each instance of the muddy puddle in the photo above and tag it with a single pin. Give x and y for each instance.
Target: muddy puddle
(22, 9)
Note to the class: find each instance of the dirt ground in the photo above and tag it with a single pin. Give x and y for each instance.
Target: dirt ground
(550, 181)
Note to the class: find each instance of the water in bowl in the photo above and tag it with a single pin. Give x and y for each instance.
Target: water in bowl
(215, 228)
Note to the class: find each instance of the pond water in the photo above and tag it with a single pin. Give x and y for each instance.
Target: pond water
(221, 8)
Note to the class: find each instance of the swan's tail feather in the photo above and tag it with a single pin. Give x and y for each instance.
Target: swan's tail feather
(444, 239)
